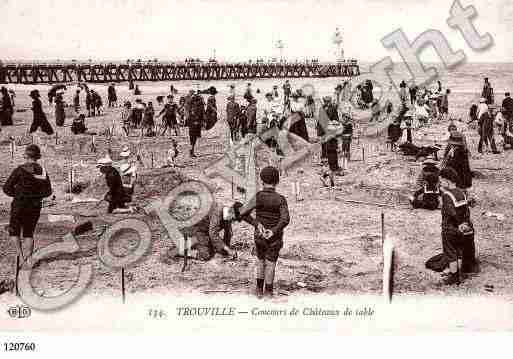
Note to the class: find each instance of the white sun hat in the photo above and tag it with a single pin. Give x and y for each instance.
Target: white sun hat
(105, 161)
(125, 151)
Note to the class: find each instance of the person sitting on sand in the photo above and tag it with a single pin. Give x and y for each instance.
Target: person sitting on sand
(115, 196)
(28, 185)
(172, 154)
(428, 187)
(128, 178)
(209, 236)
(78, 126)
(125, 157)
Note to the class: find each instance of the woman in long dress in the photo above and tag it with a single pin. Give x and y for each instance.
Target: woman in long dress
(60, 114)
(6, 109)
(39, 115)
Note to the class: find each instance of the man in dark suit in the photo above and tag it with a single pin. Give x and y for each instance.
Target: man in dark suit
(507, 106)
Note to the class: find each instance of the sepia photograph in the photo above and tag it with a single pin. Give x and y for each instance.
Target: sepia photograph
(292, 166)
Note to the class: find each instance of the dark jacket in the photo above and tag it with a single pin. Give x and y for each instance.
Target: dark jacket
(112, 93)
(328, 113)
(116, 191)
(40, 119)
(212, 225)
(169, 112)
(197, 112)
(60, 114)
(232, 114)
(459, 160)
(507, 105)
(251, 114)
(272, 212)
(28, 182)
(455, 211)
(78, 126)
(211, 113)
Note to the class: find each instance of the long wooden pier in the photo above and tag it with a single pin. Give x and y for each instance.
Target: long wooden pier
(154, 71)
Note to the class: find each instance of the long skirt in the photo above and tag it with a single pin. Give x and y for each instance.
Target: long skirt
(41, 121)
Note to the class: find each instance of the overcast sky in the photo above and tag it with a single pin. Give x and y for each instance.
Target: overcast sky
(173, 29)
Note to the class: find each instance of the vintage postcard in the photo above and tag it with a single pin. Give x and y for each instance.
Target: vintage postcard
(284, 166)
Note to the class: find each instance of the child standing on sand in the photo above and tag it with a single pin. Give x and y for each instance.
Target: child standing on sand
(28, 185)
(272, 216)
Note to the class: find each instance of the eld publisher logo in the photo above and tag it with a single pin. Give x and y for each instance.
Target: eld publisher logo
(19, 312)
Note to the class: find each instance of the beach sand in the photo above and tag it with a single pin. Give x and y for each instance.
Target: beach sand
(331, 246)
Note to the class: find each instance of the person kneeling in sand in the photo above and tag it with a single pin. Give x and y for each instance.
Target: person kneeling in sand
(116, 195)
(205, 236)
(78, 126)
(427, 195)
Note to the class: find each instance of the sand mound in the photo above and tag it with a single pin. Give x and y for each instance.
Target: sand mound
(150, 184)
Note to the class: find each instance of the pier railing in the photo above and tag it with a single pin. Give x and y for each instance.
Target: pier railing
(156, 71)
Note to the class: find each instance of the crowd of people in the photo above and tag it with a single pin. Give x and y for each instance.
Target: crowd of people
(443, 185)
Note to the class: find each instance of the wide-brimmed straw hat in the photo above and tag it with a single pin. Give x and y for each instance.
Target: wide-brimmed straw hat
(103, 162)
(125, 151)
